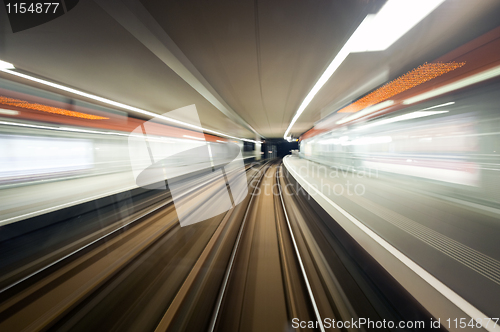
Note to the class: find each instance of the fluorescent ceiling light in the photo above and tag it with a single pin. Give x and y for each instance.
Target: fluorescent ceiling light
(6, 68)
(8, 112)
(409, 116)
(366, 111)
(337, 61)
(6, 65)
(393, 20)
(192, 137)
(413, 115)
(440, 105)
(378, 32)
(86, 131)
(473, 79)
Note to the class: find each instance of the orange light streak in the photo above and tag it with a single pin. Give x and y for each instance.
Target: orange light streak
(49, 109)
(417, 76)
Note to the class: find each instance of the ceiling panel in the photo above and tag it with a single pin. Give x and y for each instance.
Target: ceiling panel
(88, 50)
(262, 57)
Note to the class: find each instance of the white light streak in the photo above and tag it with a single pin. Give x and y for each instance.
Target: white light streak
(473, 79)
(4, 67)
(376, 33)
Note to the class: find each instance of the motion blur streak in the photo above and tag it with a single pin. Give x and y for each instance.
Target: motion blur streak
(417, 76)
(137, 193)
(375, 33)
(9, 70)
(49, 109)
(430, 170)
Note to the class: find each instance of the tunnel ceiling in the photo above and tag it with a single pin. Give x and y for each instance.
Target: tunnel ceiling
(260, 57)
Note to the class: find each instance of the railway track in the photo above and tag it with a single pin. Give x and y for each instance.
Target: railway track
(38, 264)
(44, 298)
(265, 287)
(264, 265)
(251, 276)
